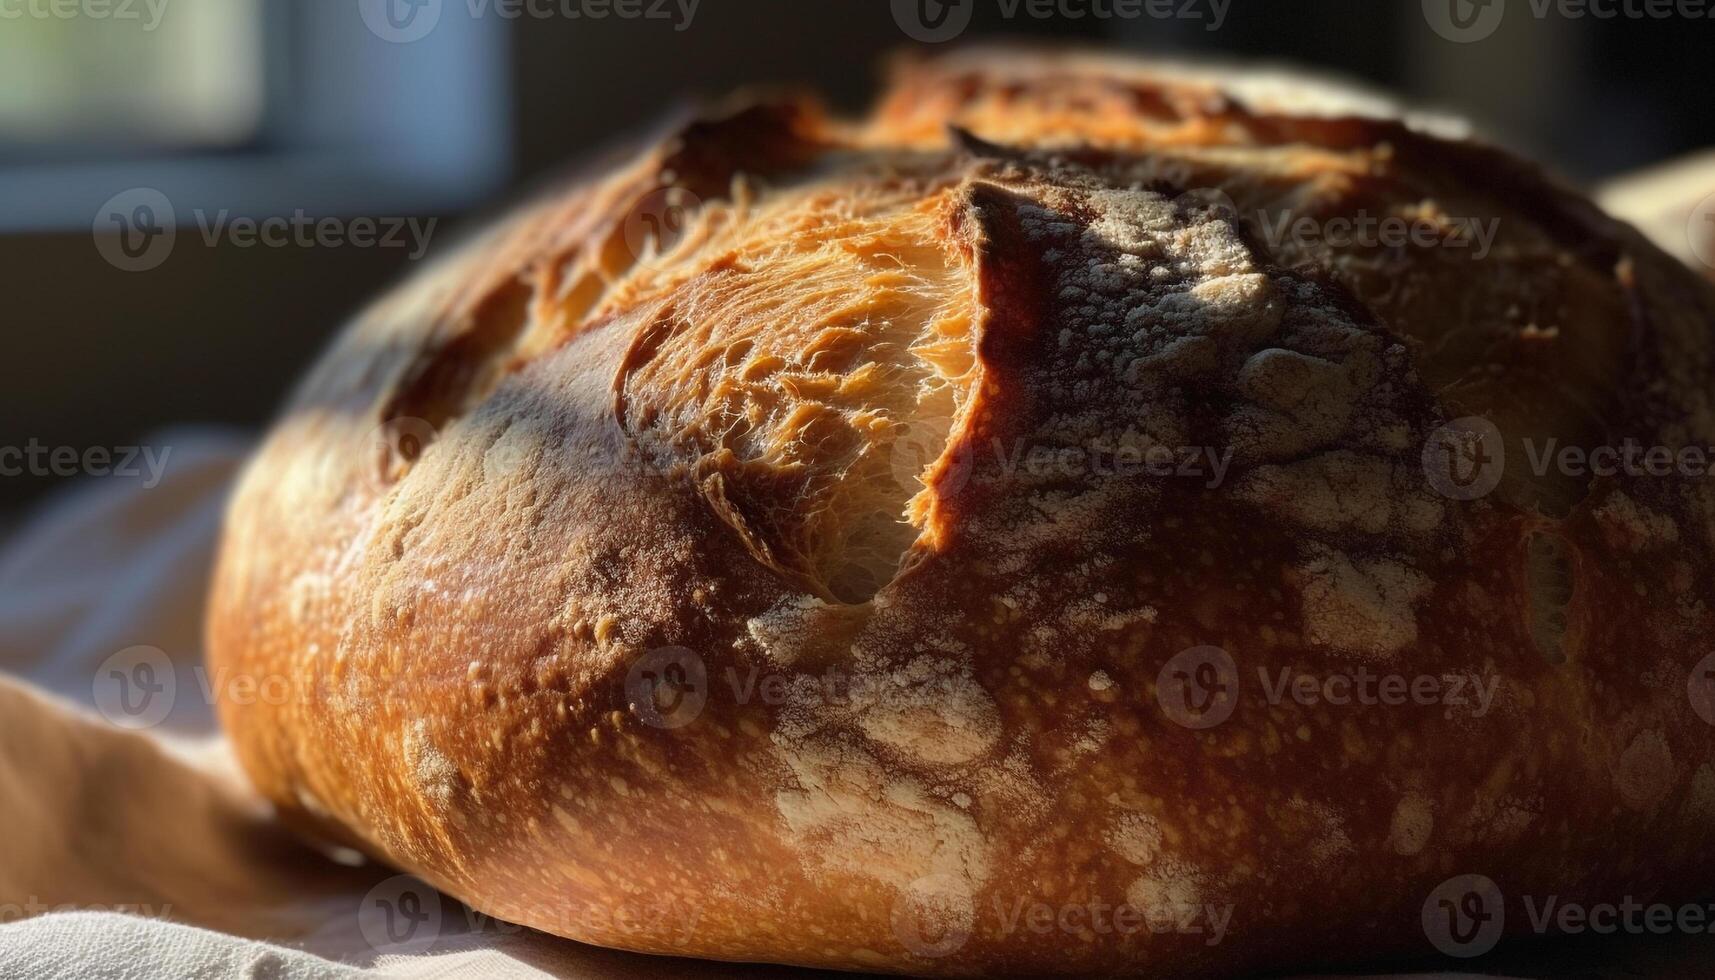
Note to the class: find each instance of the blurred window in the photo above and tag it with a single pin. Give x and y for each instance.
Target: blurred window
(143, 74)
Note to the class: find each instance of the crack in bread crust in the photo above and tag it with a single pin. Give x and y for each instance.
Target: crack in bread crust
(788, 373)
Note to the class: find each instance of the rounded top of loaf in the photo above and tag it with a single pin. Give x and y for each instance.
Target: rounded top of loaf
(1052, 369)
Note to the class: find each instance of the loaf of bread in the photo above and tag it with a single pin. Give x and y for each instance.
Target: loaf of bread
(1087, 517)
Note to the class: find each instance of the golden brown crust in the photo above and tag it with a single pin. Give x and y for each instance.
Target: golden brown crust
(558, 469)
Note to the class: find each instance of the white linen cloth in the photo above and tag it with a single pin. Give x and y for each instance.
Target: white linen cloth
(131, 852)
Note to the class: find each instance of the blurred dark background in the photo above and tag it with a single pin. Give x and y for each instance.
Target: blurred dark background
(266, 107)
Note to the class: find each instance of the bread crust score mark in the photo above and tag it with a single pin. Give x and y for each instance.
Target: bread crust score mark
(792, 438)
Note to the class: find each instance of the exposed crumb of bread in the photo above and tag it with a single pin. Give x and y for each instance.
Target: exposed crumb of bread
(844, 351)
